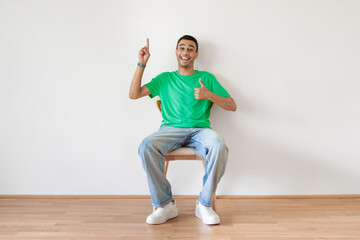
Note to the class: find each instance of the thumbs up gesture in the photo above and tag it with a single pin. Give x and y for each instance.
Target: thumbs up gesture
(201, 92)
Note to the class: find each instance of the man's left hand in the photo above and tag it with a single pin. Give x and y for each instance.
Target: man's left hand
(201, 92)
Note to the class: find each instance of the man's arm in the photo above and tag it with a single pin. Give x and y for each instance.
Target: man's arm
(227, 103)
(136, 90)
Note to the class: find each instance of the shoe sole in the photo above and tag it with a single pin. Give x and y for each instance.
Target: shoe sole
(163, 221)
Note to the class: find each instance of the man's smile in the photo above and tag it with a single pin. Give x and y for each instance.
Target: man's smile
(184, 58)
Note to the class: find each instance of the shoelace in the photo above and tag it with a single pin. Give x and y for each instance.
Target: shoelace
(159, 210)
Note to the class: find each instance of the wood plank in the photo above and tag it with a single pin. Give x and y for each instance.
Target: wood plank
(114, 218)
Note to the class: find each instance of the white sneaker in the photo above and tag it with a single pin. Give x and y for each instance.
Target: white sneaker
(206, 214)
(162, 214)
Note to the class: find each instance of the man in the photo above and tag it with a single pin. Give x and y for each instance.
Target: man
(186, 97)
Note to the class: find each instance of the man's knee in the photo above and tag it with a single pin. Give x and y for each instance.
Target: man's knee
(146, 144)
(218, 143)
(220, 149)
(151, 144)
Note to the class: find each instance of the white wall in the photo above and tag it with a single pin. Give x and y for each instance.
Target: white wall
(67, 125)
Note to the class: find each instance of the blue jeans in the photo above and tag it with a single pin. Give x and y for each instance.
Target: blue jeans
(205, 142)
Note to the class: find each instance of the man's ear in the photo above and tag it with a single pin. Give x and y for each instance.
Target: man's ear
(197, 53)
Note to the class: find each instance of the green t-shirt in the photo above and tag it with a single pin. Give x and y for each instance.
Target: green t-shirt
(179, 107)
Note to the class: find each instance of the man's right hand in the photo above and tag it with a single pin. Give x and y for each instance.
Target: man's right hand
(136, 90)
(144, 53)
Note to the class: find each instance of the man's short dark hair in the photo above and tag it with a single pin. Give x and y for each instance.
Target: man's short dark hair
(188, 37)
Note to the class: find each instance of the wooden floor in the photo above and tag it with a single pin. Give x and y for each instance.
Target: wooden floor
(305, 219)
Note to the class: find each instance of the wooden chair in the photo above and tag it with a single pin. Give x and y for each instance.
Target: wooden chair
(183, 153)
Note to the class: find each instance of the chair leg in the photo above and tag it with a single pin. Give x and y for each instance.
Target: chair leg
(166, 167)
(214, 202)
(165, 173)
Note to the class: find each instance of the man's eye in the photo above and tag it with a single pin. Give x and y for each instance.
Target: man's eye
(190, 50)
(181, 48)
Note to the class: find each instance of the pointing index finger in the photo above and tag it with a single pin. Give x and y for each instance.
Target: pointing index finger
(147, 43)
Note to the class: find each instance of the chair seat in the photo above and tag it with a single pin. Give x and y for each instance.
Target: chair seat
(183, 153)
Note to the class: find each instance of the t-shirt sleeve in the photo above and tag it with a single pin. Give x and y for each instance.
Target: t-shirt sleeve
(217, 88)
(154, 86)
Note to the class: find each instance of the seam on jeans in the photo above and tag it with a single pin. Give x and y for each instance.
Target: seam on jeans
(188, 137)
(174, 145)
(206, 151)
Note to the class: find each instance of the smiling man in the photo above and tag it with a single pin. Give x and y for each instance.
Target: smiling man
(186, 97)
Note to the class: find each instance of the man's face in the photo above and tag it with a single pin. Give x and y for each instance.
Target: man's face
(186, 53)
